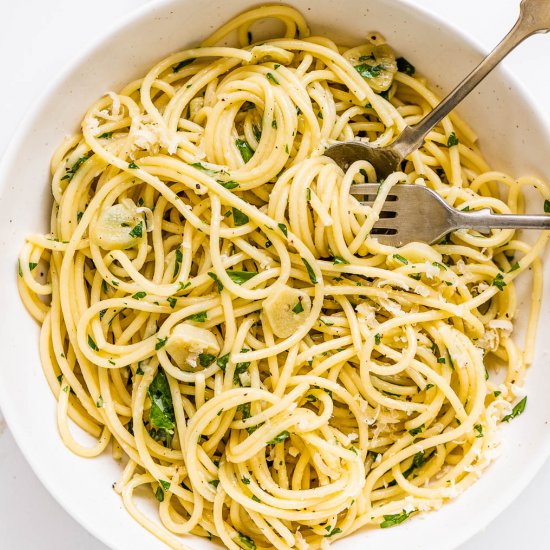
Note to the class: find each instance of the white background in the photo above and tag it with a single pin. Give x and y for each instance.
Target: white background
(38, 37)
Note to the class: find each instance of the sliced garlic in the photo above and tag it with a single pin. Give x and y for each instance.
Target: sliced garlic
(286, 310)
(374, 62)
(118, 227)
(187, 342)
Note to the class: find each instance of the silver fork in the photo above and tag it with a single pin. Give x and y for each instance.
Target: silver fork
(534, 18)
(414, 213)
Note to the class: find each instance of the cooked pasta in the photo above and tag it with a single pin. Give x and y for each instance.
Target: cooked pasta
(214, 310)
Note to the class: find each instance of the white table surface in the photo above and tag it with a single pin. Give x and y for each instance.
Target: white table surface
(40, 36)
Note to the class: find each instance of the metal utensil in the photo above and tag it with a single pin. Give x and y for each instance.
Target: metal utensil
(534, 18)
(416, 213)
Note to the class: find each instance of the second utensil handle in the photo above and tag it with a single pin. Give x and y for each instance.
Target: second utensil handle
(484, 219)
(534, 17)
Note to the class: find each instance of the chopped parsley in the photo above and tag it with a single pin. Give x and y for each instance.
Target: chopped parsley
(479, 429)
(159, 494)
(298, 308)
(377, 338)
(499, 282)
(332, 531)
(271, 78)
(92, 344)
(452, 140)
(239, 218)
(310, 272)
(105, 135)
(394, 519)
(240, 277)
(172, 301)
(133, 166)
(179, 259)
(279, 438)
(337, 260)
(514, 267)
(199, 317)
(161, 414)
(139, 295)
(404, 66)
(137, 231)
(401, 259)
(179, 66)
(416, 431)
(229, 184)
(369, 71)
(245, 149)
(161, 342)
(74, 168)
(283, 228)
(99, 402)
(214, 277)
(206, 359)
(214, 482)
(164, 484)
(516, 411)
(547, 206)
(246, 542)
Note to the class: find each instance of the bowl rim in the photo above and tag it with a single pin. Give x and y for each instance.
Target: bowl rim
(525, 476)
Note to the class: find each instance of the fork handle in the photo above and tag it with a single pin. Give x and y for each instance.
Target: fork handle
(484, 220)
(534, 18)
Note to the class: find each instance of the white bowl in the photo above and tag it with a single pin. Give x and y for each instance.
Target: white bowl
(512, 137)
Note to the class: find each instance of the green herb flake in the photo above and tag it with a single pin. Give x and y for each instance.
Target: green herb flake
(369, 71)
(377, 338)
(99, 402)
(337, 260)
(310, 271)
(401, 259)
(159, 494)
(279, 438)
(164, 484)
(255, 498)
(133, 166)
(479, 429)
(229, 184)
(404, 66)
(32, 265)
(332, 532)
(496, 393)
(246, 542)
(441, 360)
(240, 277)
(239, 218)
(199, 317)
(416, 431)
(137, 231)
(206, 359)
(271, 78)
(244, 148)
(214, 277)
(222, 363)
(452, 140)
(92, 344)
(139, 295)
(327, 323)
(161, 415)
(394, 519)
(161, 342)
(298, 308)
(274, 124)
(516, 411)
(283, 228)
(547, 206)
(179, 66)
(172, 301)
(74, 168)
(179, 260)
(106, 135)
(245, 480)
(214, 482)
(514, 267)
(499, 282)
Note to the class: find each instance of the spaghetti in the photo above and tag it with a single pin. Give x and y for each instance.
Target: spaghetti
(215, 310)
